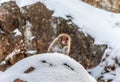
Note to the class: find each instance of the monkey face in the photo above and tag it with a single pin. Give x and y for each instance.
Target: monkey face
(64, 40)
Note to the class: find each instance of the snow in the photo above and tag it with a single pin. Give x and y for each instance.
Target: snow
(31, 52)
(28, 33)
(17, 32)
(32, 38)
(1, 31)
(49, 67)
(28, 28)
(2, 1)
(102, 25)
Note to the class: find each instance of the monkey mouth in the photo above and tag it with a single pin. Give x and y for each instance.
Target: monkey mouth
(63, 42)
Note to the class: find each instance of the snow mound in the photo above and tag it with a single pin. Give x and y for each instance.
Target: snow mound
(48, 67)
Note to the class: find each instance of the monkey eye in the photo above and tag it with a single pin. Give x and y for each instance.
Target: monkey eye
(64, 37)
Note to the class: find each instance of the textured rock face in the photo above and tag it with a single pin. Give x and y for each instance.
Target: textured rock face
(41, 31)
(110, 5)
(36, 29)
(8, 17)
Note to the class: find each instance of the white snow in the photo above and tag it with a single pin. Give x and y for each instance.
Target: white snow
(31, 52)
(2, 1)
(28, 28)
(17, 32)
(28, 34)
(1, 31)
(49, 67)
(103, 26)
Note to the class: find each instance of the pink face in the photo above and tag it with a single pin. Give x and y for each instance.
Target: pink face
(64, 40)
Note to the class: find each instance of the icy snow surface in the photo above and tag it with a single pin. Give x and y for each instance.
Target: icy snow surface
(103, 26)
(49, 67)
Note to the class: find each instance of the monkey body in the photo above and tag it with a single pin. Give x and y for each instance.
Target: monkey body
(61, 44)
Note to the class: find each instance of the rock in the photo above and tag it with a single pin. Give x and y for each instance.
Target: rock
(40, 20)
(18, 80)
(29, 70)
(110, 5)
(16, 58)
(8, 20)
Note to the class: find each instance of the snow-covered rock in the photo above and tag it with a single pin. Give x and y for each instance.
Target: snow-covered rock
(48, 67)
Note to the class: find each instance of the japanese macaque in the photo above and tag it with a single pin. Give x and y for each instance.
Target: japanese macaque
(61, 44)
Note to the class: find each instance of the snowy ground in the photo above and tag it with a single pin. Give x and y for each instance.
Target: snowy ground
(102, 25)
(49, 67)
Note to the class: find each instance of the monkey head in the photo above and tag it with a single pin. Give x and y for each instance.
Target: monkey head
(64, 40)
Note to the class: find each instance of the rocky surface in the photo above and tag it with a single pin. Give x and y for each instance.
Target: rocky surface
(18, 80)
(110, 5)
(34, 28)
